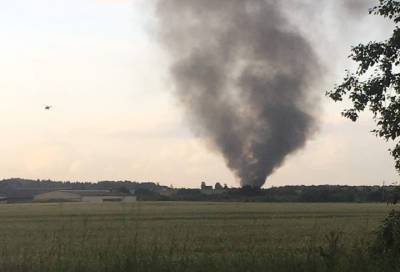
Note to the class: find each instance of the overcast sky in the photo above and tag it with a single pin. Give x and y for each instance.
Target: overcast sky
(99, 64)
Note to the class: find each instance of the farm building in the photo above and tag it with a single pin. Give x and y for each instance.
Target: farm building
(92, 196)
(3, 200)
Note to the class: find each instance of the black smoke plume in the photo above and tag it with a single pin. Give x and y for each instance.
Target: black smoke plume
(245, 76)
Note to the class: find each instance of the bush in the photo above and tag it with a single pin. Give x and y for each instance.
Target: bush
(386, 248)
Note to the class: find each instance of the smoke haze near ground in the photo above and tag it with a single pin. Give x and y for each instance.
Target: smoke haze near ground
(246, 77)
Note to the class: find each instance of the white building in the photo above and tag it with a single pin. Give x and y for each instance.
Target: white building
(3, 200)
(91, 196)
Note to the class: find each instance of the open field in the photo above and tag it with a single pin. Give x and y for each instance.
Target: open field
(178, 236)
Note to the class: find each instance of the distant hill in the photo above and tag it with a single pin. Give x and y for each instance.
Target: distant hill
(23, 190)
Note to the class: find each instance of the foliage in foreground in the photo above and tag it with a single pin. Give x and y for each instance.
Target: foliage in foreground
(376, 83)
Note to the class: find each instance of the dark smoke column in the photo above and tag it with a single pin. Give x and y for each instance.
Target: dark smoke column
(244, 76)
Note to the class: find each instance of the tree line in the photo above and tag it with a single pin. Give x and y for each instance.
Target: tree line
(21, 190)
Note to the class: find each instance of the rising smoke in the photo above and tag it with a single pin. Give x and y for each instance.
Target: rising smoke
(245, 76)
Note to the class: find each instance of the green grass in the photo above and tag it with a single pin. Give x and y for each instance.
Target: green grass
(184, 236)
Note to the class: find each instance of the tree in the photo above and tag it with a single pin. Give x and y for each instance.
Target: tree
(218, 186)
(375, 85)
(123, 190)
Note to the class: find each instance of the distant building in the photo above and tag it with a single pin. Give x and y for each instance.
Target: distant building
(3, 200)
(165, 191)
(90, 196)
(204, 186)
(209, 190)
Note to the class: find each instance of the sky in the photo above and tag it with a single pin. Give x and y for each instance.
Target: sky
(98, 62)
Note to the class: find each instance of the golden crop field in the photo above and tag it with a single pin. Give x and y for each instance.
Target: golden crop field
(179, 236)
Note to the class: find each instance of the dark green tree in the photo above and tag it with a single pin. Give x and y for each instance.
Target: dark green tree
(375, 85)
(218, 186)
